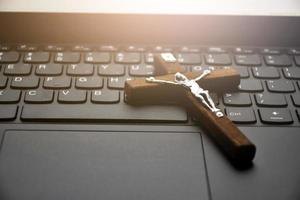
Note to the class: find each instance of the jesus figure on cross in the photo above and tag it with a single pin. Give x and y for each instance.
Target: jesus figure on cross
(194, 87)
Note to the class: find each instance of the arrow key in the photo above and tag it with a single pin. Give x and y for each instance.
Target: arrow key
(275, 116)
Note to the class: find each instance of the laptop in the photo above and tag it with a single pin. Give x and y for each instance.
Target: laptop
(66, 132)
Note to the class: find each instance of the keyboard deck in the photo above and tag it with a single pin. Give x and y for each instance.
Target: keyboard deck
(82, 83)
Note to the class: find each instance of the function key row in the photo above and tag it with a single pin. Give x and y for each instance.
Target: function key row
(151, 48)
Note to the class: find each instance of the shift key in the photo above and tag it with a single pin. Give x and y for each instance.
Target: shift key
(103, 112)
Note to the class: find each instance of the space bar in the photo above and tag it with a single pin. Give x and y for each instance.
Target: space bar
(101, 112)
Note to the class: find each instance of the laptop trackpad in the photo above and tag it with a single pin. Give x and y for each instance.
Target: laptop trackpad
(101, 165)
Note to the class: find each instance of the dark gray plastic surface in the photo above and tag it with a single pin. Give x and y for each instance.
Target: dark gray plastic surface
(275, 173)
(62, 165)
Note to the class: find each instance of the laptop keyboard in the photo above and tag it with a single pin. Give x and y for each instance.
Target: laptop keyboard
(85, 83)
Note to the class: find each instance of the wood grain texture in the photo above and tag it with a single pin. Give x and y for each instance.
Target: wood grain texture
(225, 133)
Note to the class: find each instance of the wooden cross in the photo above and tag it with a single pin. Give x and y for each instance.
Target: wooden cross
(184, 89)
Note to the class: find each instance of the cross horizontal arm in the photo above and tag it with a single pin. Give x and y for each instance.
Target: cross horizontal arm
(140, 91)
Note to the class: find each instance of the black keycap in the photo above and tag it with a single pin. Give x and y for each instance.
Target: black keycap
(291, 72)
(189, 58)
(237, 99)
(248, 60)
(117, 82)
(27, 47)
(105, 96)
(111, 70)
(243, 50)
(162, 49)
(10, 96)
(265, 72)
(278, 60)
(243, 71)
(97, 57)
(241, 115)
(54, 48)
(72, 96)
(294, 51)
(25, 82)
(49, 69)
(128, 57)
(4, 47)
(149, 58)
(270, 100)
(132, 48)
(39, 96)
(216, 50)
(250, 85)
(297, 60)
(108, 48)
(102, 112)
(9, 57)
(67, 57)
(271, 51)
(17, 69)
(186, 49)
(3, 81)
(280, 86)
(36, 57)
(217, 59)
(296, 99)
(275, 115)
(57, 82)
(89, 82)
(8, 112)
(81, 48)
(80, 69)
(141, 70)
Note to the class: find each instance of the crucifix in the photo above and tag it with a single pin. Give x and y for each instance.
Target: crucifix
(193, 86)
(191, 90)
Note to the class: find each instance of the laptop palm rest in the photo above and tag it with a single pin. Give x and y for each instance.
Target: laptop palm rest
(107, 165)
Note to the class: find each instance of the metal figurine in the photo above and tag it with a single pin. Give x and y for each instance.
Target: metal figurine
(194, 87)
